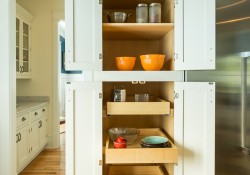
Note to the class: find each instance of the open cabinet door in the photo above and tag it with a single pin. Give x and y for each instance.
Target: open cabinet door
(83, 35)
(194, 34)
(194, 128)
(84, 128)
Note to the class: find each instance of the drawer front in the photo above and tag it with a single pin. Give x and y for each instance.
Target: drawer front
(35, 114)
(44, 110)
(22, 120)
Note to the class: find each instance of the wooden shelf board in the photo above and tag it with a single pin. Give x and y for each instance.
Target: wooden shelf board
(155, 107)
(135, 154)
(135, 170)
(150, 31)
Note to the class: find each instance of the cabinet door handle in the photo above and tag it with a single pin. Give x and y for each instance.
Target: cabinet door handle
(23, 119)
(36, 113)
(20, 137)
(17, 138)
(40, 122)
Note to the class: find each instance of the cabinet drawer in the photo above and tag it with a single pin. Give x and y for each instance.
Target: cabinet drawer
(135, 170)
(22, 120)
(36, 114)
(156, 106)
(135, 154)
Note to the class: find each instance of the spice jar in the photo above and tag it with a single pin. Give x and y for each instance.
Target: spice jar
(155, 12)
(142, 13)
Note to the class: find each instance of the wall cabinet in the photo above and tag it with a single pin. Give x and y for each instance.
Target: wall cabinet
(31, 135)
(187, 40)
(23, 43)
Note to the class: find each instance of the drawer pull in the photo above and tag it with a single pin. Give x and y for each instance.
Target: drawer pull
(36, 113)
(43, 110)
(17, 140)
(23, 119)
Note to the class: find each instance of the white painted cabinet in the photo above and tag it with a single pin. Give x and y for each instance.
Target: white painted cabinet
(31, 135)
(22, 146)
(23, 43)
(192, 104)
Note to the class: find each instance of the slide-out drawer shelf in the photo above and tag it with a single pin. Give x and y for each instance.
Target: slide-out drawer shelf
(135, 170)
(155, 106)
(136, 154)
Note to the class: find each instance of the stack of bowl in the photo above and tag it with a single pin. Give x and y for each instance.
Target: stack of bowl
(155, 142)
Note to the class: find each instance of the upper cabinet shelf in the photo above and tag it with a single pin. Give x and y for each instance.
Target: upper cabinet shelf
(151, 31)
(126, 4)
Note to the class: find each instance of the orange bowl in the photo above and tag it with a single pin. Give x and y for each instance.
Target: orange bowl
(125, 63)
(152, 62)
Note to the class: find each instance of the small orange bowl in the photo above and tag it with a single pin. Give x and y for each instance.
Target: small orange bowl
(125, 63)
(152, 62)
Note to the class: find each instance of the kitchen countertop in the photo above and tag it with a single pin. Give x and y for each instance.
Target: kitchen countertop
(26, 106)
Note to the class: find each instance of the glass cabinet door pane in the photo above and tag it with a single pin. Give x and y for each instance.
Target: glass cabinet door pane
(17, 59)
(25, 66)
(25, 29)
(17, 24)
(25, 43)
(25, 61)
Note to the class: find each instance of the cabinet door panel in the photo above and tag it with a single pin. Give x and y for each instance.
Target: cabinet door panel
(43, 138)
(84, 128)
(195, 128)
(22, 147)
(83, 35)
(195, 35)
(34, 138)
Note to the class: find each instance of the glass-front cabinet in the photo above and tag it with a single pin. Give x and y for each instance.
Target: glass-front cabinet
(23, 40)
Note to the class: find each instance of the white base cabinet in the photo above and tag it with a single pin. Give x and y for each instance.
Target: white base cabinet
(31, 136)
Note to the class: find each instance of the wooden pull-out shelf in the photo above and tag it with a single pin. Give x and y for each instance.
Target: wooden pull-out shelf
(135, 170)
(152, 31)
(135, 154)
(155, 107)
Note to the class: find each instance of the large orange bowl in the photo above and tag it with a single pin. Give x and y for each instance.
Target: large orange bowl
(152, 62)
(125, 63)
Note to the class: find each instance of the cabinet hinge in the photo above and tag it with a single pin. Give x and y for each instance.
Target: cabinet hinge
(100, 56)
(176, 56)
(100, 95)
(176, 95)
(100, 1)
(100, 162)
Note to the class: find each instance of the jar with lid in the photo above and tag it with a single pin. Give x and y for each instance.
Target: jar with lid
(142, 13)
(155, 12)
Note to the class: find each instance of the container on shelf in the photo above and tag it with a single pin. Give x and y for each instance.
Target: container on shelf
(142, 13)
(141, 97)
(155, 13)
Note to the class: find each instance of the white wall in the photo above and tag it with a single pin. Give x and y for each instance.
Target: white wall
(41, 83)
(7, 88)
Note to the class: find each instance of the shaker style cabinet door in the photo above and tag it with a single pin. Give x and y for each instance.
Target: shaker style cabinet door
(84, 128)
(194, 34)
(83, 32)
(195, 128)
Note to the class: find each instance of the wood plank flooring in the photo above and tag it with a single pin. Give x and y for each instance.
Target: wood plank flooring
(49, 161)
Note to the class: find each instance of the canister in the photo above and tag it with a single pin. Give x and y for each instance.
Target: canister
(155, 12)
(142, 13)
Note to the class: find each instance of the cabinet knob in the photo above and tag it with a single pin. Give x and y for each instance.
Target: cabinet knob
(43, 110)
(36, 113)
(23, 119)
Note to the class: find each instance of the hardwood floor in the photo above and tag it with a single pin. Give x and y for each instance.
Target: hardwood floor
(49, 161)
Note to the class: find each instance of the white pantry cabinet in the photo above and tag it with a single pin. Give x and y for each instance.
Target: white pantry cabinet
(23, 43)
(31, 136)
(187, 40)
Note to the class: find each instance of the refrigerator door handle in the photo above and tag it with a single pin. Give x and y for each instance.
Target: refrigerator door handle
(244, 102)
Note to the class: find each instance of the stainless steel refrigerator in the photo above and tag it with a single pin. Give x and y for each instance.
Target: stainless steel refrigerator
(232, 77)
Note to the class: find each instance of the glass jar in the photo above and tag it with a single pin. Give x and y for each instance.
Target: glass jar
(142, 13)
(155, 12)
